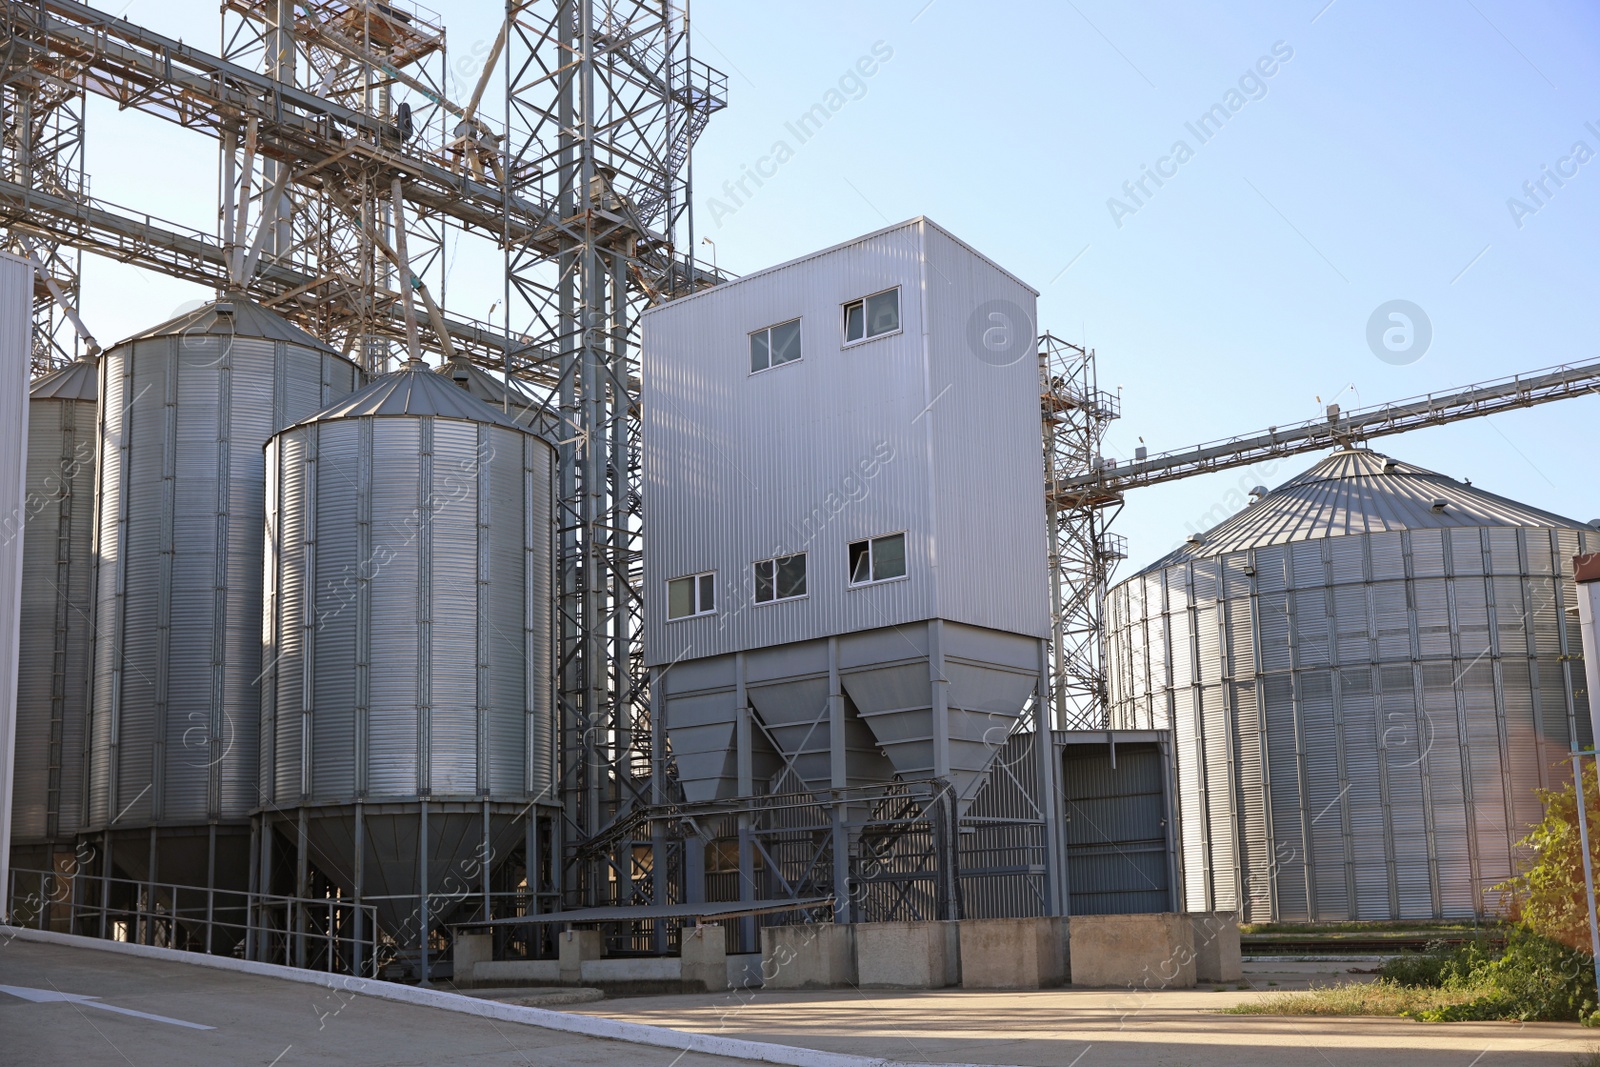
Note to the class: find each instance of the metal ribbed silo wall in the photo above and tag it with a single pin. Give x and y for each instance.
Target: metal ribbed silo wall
(176, 699)
(53, 670)
(408, 613)
(1360, 722)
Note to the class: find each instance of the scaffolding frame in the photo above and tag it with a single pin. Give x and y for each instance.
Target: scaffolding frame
(41, 148)
(1084, 551)
(603, 104)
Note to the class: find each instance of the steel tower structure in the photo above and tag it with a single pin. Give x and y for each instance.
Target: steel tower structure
(41, 148)
(603, 105)
(1084, 551)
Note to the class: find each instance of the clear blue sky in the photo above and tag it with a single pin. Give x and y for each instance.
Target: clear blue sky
(1375, 163)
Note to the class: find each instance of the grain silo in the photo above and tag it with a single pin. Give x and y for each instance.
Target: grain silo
(406, 701)
(512, 399)
(175, 699)
(57, 568)
(1367, 673)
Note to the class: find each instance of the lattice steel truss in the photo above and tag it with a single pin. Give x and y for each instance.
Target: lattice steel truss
(41, 148)
(387, 62)
(1076, 413)
(603, 103)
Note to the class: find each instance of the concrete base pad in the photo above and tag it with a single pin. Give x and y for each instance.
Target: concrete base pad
(925, 955)
(1012, 953)
(1217, 953)
(1139, 952)
(808, 956)
(537, 997)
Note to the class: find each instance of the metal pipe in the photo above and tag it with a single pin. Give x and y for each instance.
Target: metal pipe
(149, 933)
(269, 210)
(211, 881)
(105, 883)
(1588, 866)
(426, 922)
(241, 221)
(253, 888)
(843, 904)
(91, 345)
(360, 873)
(402, 262)
(301, 889)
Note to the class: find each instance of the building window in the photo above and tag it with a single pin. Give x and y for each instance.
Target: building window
(783, 578)
(873, 316)
(775, 345)
(878, 560)
(691, 595)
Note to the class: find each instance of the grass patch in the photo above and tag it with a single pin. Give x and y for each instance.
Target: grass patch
(1383, 997)
(1527, 977)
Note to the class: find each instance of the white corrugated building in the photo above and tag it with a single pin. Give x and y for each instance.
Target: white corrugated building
(843, 488)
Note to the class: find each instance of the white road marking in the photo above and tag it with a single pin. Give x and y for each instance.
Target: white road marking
(45, 996)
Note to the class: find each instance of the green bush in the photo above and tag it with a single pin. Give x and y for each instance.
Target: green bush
(1442, 963)
(1550, 897)
(1533, 979)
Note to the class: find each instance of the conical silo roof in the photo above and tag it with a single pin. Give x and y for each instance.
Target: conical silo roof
(492, 390)
(1359, 491)
(78, 380)
(414, 389)
(236, 316)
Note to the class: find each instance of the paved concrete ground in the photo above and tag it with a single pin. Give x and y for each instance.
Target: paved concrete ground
(276, 1023)
(1088, 1028)
(258, 1021)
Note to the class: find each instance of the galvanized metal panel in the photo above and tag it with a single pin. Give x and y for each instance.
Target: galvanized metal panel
(1116, 823)
(426, 629)
(949, 455)
(1414, 693)
(179, 597)
(56, 528)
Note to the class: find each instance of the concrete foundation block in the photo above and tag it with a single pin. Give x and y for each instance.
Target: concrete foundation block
(632, 971)
(1217, 953)
(1012, 953)
(578, 946)
(512, 972)
(705, 958)
(908, 955)
(808, 956)
(744, 971)
(469, 950)
(1151, 951)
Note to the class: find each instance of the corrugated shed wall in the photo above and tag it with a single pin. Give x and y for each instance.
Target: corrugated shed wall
(1368, 746)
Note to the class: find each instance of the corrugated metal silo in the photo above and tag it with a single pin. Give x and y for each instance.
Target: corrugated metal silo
(1367, 673)
(175, 703)
(407, 695)
(57, 568)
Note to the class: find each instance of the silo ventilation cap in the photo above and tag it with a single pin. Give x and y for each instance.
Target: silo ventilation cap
(1440, 505)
